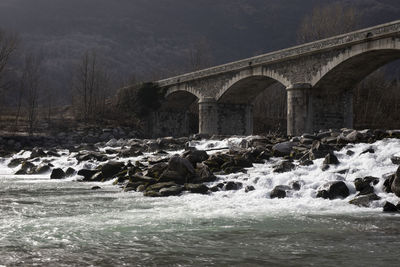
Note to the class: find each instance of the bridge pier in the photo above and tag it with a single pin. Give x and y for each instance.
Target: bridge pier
(208, 116)
(235, 119)
(225, 118)
(332, 110)
(300, 109)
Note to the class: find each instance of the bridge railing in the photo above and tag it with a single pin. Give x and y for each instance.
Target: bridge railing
(372, 33)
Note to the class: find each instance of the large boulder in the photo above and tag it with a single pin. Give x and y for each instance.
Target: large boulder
(171, 191)
(231, 186)
(355, 136)
(38, 153)
(330, 159)
(396, 183)
(280, 191)
(334, 190)
(204, 174)
(87, 174)
(363, 185)
(196, 156)
(158, 186)
(284, 166)
(70, 172)
(110, 169)
(319, 150)
(156, 170)
(43, 169)
(179, 170)
(15, 162)
(395, 160)
(282, 149)
(26, 168)
(390, 207)
(57, 174)
(86, 156)
(196, 188)
(364, 200)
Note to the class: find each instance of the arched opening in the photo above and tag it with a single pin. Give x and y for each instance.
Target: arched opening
(178, 115)
(265, 96)
(360, 92)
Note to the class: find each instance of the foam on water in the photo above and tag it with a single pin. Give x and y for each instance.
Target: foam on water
(64, 223)
(262, 177)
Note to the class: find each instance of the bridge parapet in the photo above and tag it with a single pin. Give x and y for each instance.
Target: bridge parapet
(337, 42)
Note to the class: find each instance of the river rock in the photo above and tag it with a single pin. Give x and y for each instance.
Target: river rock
(285, 166)
(171, 191)
(26, 168)
(395, 160)
(396, 183)
(389, 207)
(132, 186)
(363, 185)
(249, 188)
(156, 170)
(43, 169)
(142, 179)
(57, 174)
(204, 174)
(365, 200)
(355, 136)
(181, 165)
(87, 174)
(110, 169)
(196, 156)
(387, 185)
(197, 188)
(15, 162)
(230, 186)
(97, 177)
(296, 185)
(70, 172)
(53, 153)
(319, 150)
(158, 186)
(369, 150)
(330, 159)
(38, 153)
(86, 156)
(152, 194)
(280, 191)
(282, 149)
(333, 190)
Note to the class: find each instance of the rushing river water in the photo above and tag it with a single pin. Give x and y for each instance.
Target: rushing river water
(63, 223)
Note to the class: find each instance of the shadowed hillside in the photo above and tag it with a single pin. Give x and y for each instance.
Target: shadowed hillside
(154, 38)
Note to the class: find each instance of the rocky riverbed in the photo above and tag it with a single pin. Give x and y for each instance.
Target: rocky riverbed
(360, 167)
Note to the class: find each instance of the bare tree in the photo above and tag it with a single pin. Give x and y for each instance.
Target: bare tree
(8, 45)
(200, 55)
(326, 21)
(91, 87)
(32, 77)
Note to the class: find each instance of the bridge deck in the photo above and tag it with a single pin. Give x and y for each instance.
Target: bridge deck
(372, 33)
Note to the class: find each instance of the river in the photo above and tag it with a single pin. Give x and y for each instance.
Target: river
(64, 223)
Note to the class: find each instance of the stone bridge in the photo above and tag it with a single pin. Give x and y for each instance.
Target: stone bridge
(318, 76)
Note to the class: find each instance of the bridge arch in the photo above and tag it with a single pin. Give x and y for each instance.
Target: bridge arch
(244, 87)
(178, 114)
(182, 89)
(333, 85)
(237, 102)
(351, 66)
